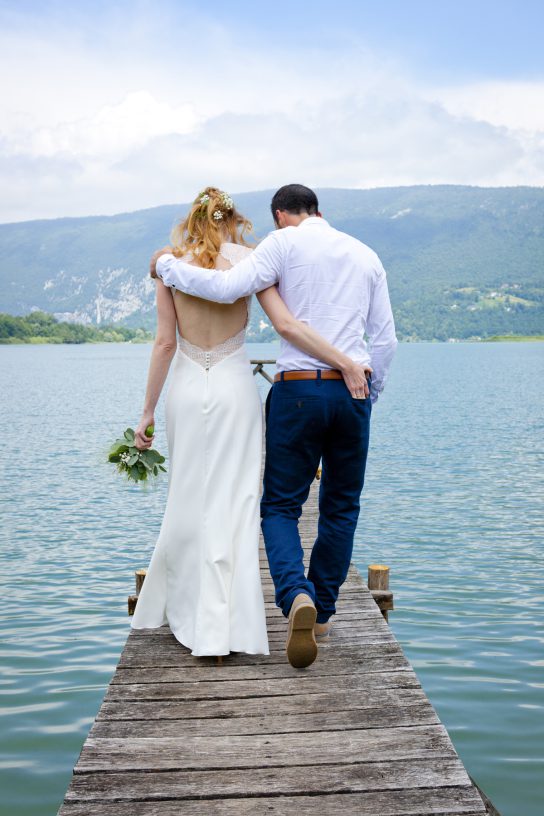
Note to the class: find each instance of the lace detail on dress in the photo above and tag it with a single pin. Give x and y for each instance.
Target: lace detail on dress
(210, 357)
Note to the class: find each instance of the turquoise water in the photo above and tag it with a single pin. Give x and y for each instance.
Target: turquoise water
(453, 503)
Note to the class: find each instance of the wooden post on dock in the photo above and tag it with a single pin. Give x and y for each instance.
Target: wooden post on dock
(378, 584)
(133, 599)
(140, 578)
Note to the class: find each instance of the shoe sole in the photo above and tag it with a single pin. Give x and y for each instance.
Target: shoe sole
(301, 644)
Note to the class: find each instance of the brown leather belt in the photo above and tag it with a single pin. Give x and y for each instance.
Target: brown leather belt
(324, 374)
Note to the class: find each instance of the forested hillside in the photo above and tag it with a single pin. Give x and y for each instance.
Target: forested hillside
(462, 261)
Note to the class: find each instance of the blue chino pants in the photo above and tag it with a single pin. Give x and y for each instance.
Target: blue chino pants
(309, 420)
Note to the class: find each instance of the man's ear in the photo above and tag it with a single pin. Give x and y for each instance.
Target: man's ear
(278, 219)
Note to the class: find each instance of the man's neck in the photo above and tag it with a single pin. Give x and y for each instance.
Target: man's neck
(295, 219)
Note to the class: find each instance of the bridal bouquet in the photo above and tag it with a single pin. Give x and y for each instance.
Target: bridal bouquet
(137, 464)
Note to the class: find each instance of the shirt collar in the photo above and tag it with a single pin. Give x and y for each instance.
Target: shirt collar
(313, 219)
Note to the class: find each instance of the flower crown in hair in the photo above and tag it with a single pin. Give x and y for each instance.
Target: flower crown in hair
(227, 204)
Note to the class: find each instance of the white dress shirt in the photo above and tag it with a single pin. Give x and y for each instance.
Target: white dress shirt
(327, 279)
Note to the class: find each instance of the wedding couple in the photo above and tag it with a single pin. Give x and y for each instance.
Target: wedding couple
(322, 290)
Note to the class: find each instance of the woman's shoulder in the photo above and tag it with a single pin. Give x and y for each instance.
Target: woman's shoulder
(234, 252)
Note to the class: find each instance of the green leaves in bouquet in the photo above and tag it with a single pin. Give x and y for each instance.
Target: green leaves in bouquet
(119, 446)
(137, 464)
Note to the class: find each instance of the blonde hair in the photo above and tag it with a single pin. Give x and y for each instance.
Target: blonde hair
(211, 218)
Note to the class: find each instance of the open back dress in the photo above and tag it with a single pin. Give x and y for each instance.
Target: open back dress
(203, 579)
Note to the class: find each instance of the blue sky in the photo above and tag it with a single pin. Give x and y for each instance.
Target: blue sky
(115, 106)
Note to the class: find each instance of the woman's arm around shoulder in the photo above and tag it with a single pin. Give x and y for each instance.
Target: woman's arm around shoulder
(164, 349)
(307, 339)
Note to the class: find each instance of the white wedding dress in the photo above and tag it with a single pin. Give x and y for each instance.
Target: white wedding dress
(203, 579)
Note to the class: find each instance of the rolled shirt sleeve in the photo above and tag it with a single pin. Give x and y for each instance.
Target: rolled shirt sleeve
(261, 269)
(380, 329)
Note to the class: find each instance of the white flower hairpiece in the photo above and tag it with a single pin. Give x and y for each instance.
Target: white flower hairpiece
(226, 205)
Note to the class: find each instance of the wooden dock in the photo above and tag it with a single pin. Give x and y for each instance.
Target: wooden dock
(354, 733)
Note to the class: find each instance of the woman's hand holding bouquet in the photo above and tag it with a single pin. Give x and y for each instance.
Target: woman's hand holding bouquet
(133, 454)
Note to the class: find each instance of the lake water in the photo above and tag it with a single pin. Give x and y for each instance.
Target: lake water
(452, 502)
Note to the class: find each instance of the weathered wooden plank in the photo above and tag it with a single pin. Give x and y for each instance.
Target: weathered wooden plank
(334, 699)
(257, 671)
(337, 637)
(279, 750)
(443, 801)
(338, 641)
(276, 657)
(280, 723)
(278, 639)
(278, 687)
(170, 650)
(163, 659)
(182, 657)
(324, 779)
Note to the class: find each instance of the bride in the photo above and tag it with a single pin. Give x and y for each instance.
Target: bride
(203, 578)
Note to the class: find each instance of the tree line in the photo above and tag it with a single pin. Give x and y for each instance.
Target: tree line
(41, 327)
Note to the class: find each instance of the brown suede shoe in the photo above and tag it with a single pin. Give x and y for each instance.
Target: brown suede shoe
(301, 645)
(322, 629)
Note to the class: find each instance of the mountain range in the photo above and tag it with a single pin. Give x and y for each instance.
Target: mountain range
(462, 262)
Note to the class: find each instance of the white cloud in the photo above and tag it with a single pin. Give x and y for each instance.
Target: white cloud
(100, 130)
(514, 105)
(353, 143)
(109, 134)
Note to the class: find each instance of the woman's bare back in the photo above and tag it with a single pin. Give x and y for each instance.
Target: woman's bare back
(206, 324)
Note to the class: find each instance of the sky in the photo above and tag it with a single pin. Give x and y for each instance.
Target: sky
(115, 106)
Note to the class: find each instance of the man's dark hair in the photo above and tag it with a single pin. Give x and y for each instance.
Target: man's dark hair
(295, 199)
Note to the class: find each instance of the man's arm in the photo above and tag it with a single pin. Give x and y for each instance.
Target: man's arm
(380, 329)
(258, 271)
(305, 338)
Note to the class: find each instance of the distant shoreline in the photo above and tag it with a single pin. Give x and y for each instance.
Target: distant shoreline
(52, 341)
(514, 338)
(43, 341)
(38, 328)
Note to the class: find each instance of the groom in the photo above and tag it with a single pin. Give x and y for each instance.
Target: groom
(337, 285)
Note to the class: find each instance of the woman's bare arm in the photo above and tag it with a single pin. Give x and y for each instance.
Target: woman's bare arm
(307, 339)
(164, 349)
